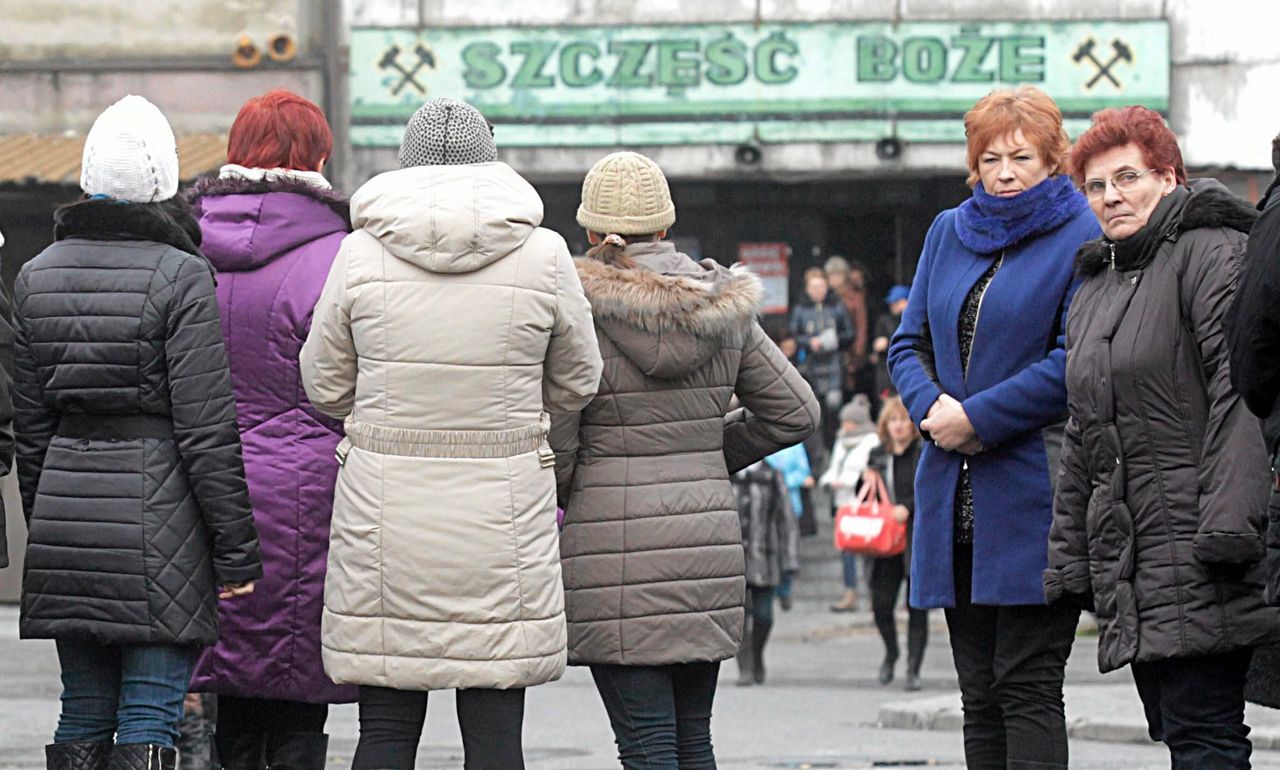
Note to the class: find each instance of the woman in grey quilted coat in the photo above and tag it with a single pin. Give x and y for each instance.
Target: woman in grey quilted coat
(652, 548)
(128, 451)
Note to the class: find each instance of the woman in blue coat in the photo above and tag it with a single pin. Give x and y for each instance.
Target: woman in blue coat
(979, 362)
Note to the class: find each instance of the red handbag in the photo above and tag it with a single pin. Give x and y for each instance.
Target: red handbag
(868, 527)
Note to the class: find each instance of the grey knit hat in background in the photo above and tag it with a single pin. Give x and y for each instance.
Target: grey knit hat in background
(447, 132)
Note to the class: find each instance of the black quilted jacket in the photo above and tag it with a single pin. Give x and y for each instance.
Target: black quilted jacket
(128, 452)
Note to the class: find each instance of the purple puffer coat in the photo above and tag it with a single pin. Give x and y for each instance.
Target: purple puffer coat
(273, 244)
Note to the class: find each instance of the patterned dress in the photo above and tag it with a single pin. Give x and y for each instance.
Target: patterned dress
(963, 528)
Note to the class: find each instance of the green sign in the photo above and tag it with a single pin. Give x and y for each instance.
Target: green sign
(715, 83)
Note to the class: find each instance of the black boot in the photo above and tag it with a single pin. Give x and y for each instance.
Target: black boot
(77, 755)
(886, 668)
(142, 756)
(759, 635)
(297, 751)
(241, 751)
(913, 675)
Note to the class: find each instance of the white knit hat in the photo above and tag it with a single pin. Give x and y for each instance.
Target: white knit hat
(626, 193)
(130, 154)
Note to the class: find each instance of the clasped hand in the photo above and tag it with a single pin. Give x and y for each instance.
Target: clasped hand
(949, 427)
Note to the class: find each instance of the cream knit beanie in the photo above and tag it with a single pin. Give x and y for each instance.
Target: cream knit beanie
(626, 193)
(130, 154)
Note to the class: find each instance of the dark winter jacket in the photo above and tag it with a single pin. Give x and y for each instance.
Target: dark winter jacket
(1013, 391)
(901, 490)
(823, 369)
(6, 407)
(652, 548)
(128, 453)
(273, 244)
(1163, 480)
(770, 532)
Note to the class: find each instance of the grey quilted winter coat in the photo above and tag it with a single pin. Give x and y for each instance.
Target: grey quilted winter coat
(128, 451)
(652, 548)
(1163, 483)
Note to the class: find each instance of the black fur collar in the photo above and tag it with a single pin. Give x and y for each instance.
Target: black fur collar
(212, 185)
(169, 222)
(1210, 205)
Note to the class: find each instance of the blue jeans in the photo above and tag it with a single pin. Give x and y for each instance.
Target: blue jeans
(849, 561)
(661, 715)
(131, 692)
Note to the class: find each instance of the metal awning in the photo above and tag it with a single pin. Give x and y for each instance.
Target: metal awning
(55, 158)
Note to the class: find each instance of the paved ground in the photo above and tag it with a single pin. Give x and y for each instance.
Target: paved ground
(820, 709)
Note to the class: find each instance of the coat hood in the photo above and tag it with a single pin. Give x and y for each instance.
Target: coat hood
(669, 314)
(449, 219)
(247, 224)
(1209, 205)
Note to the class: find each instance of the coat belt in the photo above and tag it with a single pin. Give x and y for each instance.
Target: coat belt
(472, 444)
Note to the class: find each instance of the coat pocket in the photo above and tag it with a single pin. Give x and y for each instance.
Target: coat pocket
(1113, 556)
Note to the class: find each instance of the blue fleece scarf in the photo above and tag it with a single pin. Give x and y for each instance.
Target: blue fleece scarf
(986, 223)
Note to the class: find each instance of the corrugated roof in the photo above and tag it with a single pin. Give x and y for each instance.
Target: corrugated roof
(55, 159)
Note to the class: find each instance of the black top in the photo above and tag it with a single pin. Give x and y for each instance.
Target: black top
(963, 529)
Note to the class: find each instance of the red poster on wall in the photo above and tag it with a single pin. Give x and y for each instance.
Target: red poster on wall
(770, 262)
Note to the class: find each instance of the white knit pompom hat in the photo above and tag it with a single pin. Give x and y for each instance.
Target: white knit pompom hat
(626, 193)
(130, 154)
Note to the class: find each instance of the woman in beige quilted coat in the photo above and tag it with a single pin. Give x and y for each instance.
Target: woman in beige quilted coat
(450, 326)
(652, 547)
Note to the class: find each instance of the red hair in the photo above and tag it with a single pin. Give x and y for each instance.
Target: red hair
(280, 130)
(1119, 126)
(1002, 113)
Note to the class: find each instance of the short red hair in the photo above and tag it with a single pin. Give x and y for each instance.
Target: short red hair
(1003, 112)
(1119, 126)
(280, 130)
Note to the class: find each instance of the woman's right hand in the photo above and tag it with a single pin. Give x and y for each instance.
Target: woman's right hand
(232, 590)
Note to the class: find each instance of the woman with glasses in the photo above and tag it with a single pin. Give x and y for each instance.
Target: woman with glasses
(978, 361)
(1158, 521)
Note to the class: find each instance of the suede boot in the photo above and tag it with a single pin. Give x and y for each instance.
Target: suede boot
(297, 751)
(241, 751)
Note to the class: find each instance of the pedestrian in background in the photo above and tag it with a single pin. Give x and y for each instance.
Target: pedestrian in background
(822, 329)
(650, 459)
(128, 453)
(770, 542)
(895, 461)
(886, 325)
(1163, 483)
(272, 225)
(979, 363)
(849, 457)
(849, 283)
(449, 326)
(793, 463)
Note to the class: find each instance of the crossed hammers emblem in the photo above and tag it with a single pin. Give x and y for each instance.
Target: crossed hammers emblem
(391, 61)
(1121, 52)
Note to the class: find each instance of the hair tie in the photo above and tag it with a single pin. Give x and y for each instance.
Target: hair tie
(613, 239)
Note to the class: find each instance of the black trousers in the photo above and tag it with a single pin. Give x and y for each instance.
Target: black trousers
(1010, 661)
(1196, 706)
(244, 726)
(391, 725)
(887, 576)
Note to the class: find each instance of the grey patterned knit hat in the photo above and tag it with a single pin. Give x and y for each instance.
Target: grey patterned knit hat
(447, 132)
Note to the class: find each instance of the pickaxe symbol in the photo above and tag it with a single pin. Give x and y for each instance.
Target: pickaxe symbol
(1085, 51)
(391, 60)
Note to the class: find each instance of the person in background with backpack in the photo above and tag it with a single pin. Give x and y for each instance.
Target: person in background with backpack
(894, 462)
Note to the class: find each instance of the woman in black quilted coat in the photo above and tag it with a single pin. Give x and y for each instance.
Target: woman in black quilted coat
(128, 451)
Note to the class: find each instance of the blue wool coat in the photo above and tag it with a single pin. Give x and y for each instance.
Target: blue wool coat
(1014, 395)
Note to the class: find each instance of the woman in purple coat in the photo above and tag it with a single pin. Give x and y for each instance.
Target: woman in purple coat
(272, 226)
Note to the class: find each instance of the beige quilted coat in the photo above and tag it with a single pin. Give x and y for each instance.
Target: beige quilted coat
(450, 326)
(652, 546)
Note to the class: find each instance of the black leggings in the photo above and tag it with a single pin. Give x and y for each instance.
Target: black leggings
(391, 725)
(240, 718)
(887, 576)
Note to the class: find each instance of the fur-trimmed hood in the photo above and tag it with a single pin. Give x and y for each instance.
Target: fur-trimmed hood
(248, 223)
(669, 314)
(1209, 205)
(169, 222)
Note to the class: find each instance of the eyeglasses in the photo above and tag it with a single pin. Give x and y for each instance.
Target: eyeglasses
(1096, 188)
